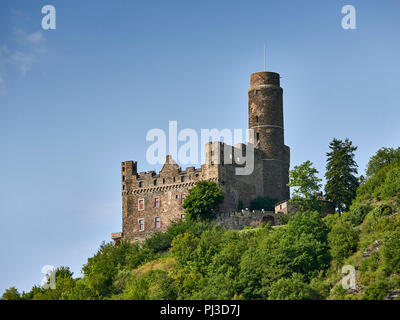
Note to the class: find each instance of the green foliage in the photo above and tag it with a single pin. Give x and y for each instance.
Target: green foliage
(301, 247)
(382, 158)
(202, 199)
(11, 294)
(161, 241)
(196, 259)
(341, 182)
(153, 285)
(391, 252)
(377, 290)
(390, 189)
(284, 218)
(102, 268)
(357, 213)
(267, 204)
(342, 240)
(293, 288)
(183, 248)
(305, 183)
(303, 178)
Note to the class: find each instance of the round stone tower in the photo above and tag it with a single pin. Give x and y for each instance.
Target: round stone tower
(266, 120)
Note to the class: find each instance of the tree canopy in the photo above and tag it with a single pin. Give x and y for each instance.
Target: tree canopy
(305, 183)
(202, 199)
(341, 170)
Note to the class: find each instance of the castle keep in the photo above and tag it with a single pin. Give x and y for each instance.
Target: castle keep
(150, 200)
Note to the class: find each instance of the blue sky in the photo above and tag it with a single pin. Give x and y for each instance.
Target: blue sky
(78, 100)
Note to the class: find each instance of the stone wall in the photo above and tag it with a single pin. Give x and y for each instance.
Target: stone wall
(239, 219)
(151, 201)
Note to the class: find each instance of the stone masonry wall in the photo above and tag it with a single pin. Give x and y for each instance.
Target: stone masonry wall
(238, 220)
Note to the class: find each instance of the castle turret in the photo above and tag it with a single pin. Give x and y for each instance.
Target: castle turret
(266, 119)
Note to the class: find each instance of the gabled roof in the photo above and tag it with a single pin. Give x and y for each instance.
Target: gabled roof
(170, 165)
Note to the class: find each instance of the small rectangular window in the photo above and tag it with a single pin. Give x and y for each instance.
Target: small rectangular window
(157, 202)
(182, 179)
(155, 182)
(182, 217)
(157, 223)
(141, 204)
(140, 184)
(181, 199)
(258, 136)
(141, 224)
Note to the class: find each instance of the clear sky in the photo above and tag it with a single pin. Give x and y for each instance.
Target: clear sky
(78, 100)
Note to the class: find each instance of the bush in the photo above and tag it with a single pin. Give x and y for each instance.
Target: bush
(161, 241)
(184, 248)
(342, 240)
(391, 252)
(293, 288)
(153, 285)
(391, 187)
(357, 213)
(377, 291)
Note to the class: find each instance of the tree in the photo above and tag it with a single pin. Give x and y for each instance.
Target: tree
(306, 184)
(202, 200)
(11, 294)
(341, 182)
(382, 158)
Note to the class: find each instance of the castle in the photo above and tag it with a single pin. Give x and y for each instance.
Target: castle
(151, 201)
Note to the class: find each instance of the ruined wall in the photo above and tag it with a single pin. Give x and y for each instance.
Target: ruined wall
(239, 219)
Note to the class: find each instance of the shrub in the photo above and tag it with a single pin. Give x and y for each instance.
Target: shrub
(342, 240)
(293, 288)
(391, 188)
(357, 213)
(183, 248)
(377, 291)
(153, 285)
(391, 252)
